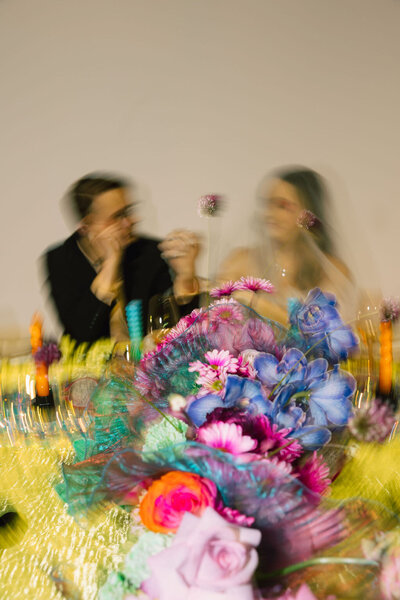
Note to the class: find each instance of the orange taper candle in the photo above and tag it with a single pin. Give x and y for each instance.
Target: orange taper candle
(42, 381)
(386, 357)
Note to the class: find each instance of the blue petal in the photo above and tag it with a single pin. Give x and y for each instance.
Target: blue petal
(200, 408)
(294, 361)
(237, 388)
(317, 369)
(266, 366)
(337, 411)
(290, 418)
(312, 438)
(338, 384)
(342, 340)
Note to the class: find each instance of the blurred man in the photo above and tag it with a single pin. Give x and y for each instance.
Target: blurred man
(105, 264)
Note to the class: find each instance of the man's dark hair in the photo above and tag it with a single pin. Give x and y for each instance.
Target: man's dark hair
(84, 191)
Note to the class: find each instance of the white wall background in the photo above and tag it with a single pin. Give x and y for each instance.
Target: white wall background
(190, 97)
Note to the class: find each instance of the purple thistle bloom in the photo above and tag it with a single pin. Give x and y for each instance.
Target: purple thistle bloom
(210, 205)
(308, 220)
(390, 309)
(372, 423)
(47, 354)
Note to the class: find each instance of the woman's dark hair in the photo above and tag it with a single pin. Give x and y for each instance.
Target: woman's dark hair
(85, 190)
(313, 194)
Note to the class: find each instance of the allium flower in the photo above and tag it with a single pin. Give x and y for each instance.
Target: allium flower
(390, 309)
(390, 578)
(47, 354)
(372, 423)
(210, 205)
(308, 220)
(314, 474)
(254, 284)
(224, 290)
(227, 437)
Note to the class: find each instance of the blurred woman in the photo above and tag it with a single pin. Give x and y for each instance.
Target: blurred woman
(295, 250)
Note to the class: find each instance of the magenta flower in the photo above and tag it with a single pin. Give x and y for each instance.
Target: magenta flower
(372, 423)
(234, 516)
(255, 284)
(273, 440)
(227, 437)
(314, 474)
(226, 289)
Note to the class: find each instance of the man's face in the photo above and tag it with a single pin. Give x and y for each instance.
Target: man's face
(113, 209)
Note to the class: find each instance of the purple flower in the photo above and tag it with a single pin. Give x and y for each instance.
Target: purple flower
(319, 322)
(48, 353)
(390, 309)
(210, 205)
(308, 220)
(372, 423)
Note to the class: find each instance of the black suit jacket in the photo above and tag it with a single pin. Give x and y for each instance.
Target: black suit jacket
(70, 275)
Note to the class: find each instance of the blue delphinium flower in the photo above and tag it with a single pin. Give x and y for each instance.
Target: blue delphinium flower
(239, 392)
(306, 396)
(319, 322)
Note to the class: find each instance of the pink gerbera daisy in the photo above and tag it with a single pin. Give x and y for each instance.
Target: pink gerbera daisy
(314, 474)
(227, 437)
(254, 284)
(226, 310)
(224, 290)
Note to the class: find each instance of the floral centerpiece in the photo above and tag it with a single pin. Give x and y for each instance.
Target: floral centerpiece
(217, 449)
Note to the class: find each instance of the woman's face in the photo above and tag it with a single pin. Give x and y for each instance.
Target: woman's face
(282, 207)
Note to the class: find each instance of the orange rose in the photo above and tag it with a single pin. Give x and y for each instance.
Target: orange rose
(170, 497)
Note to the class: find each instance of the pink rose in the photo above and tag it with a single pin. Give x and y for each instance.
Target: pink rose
(209, 559)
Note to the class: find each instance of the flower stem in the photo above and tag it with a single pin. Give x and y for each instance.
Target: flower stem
(324, 560)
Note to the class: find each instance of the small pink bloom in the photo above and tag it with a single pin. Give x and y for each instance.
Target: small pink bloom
(234, 516)
(390, 578)
(227, 437)
(314, 474)
(209, 559)
(254, 284)
(221, 360)
(224, 290)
